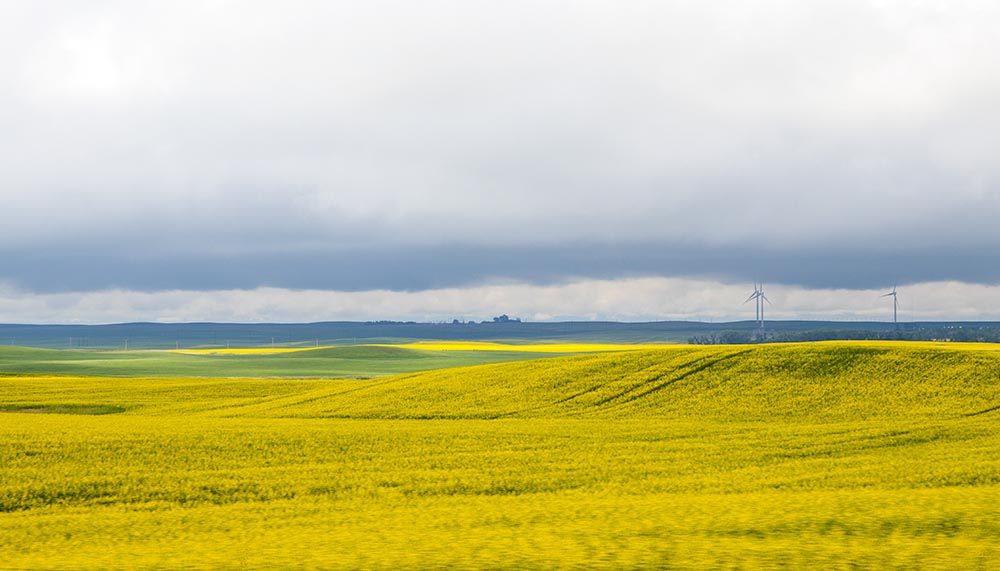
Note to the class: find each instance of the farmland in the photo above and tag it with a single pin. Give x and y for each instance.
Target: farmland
(826, 456)
(362, 361)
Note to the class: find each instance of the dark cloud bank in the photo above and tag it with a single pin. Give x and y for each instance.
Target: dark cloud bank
(407, 269)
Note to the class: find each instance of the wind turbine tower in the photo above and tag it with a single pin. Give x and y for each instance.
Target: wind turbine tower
(759, 299)
(895, 305)
(756, 297)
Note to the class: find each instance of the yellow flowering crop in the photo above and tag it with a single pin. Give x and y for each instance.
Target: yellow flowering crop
(244, 351)
(445, 346)
(809, 456)
(529, 348)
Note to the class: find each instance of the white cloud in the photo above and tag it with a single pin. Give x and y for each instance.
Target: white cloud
(305, 126)
(644, 299)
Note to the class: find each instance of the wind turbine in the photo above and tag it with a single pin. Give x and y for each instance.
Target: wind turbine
(760, 298)
(895, 304)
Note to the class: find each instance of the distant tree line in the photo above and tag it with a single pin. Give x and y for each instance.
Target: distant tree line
(724, 338)
(498, 319)
(962, 334)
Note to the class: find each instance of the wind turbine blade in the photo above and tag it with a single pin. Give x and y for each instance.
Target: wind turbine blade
(764, 297)
(752, 296)
(892, 293)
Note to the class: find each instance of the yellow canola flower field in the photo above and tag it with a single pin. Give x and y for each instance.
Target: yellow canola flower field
(568, 348)
(808, 456)
(445, 346)
(244, 351)
(528, 348)
(944, 345)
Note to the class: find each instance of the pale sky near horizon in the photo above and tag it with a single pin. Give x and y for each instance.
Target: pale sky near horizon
(307, 160)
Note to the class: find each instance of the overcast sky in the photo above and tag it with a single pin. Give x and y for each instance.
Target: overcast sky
(274, 160)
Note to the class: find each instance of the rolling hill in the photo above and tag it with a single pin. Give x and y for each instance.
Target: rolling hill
(761, 383)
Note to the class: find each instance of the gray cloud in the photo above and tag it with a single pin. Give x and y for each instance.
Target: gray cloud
(403, 268)
(345, 145)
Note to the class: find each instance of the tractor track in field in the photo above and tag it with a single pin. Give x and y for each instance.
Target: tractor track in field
(692, 368)
(984, 411)
(590, 390)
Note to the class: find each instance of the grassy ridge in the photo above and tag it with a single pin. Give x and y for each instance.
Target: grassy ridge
(870, 456)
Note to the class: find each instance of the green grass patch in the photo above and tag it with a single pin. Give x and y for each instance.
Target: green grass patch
(87, 409)
(334, 362)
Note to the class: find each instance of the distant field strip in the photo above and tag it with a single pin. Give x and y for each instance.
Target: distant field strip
(810, 456)
(244, 350)
(348, 361)
(573, 348)
(446, 346)
(530, 348)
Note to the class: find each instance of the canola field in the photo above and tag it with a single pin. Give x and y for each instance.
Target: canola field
(809, 456)
(565, 348)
